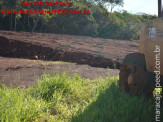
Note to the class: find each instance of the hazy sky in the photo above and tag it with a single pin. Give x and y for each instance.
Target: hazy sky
(136, 6)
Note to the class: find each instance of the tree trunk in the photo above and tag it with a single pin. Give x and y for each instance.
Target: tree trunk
(112, 7)
(11, 21)
(35, 24)
(159, 8)
(23, 23)
(29, 22)
(15, 23)
(41, 27)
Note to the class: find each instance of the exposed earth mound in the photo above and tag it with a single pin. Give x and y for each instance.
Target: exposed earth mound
(18, 48)
(24, 72)
(97, 52)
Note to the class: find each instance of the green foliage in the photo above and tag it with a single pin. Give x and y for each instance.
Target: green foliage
(112, 105)
(53, 98)
(110, 4)
(100, 22)
(65, 95)
(17, 106)
(64, 98)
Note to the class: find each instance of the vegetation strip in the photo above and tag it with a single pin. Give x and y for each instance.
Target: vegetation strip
(64, 98)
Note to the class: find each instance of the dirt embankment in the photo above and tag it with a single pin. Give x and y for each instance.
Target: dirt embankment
(97, 52)
(25, 72)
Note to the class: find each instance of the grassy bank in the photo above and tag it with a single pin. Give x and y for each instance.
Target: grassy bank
(64, 98)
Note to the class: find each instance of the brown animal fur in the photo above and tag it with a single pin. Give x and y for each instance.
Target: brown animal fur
(133, 80)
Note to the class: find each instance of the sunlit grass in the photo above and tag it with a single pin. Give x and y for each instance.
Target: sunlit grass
(112, 105)
(63, 98)
(45, 63)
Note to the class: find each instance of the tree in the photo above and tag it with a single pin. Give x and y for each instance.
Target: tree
(100, 22)
(10, 5)
(114, 3)
(159, 8)
(110, 4)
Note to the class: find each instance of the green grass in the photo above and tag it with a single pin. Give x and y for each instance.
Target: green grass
(112, 105)
(63, 98)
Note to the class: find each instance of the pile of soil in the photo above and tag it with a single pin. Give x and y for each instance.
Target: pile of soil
(97, 52)
(18, 48)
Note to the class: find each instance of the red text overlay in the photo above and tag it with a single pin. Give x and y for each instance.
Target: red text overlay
(43, 12)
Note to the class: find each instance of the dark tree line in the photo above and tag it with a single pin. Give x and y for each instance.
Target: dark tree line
(101, 21)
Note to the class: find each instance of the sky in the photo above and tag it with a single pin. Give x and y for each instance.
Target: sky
(136, 6)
